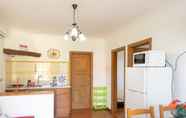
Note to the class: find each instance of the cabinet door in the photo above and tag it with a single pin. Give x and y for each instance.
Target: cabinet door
(62, 103)
(136, 79)
(135, 99)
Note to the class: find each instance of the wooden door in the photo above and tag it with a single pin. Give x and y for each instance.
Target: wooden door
(81, 79)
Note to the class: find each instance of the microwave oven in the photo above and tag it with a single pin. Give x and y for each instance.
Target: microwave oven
(149, 59)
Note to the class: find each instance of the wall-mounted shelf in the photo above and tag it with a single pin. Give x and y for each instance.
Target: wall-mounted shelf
(21, 52)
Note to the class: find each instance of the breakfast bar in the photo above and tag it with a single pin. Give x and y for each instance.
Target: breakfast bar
(36, 104)
(61, 101)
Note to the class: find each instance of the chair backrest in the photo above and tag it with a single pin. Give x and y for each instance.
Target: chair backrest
(135, 112)
(164, 109)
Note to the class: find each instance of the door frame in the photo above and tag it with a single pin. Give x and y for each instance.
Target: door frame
(114, 77)
(91, 73)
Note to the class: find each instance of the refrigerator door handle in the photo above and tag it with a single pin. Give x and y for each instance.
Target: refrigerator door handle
(136, 91)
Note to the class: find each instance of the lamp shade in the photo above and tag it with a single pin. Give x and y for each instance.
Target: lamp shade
(82, 37)
(66, 36)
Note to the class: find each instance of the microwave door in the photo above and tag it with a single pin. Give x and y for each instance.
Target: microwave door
(139, 59)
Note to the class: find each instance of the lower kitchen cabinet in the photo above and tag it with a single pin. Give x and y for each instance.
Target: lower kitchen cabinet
(62, 99)
(62, 102)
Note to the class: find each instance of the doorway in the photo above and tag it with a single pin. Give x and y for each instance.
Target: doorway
(118, 80)
(81, 80)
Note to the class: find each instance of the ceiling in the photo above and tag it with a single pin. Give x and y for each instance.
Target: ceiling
(96, 17)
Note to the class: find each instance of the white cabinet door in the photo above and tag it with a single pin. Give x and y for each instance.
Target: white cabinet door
(158, 87)
(136, 79)
(135, 100)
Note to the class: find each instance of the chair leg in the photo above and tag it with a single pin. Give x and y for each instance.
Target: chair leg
(152, 112)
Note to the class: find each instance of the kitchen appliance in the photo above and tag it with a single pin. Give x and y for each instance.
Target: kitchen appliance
(149, 59)
(148, 87)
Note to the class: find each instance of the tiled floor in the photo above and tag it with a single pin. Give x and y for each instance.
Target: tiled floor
(96, 114)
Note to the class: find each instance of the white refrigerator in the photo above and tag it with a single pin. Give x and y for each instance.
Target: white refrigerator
(148, 87)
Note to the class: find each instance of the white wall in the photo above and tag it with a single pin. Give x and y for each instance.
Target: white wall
(43, 42)
(3, 28)
(167, 27)
(1, 65)
(180, 78)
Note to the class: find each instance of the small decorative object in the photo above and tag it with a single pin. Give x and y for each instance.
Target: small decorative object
(54, 53)
(179, 108)
(61, 80)
(23, 46)
(29, 82)
(54, 81)
(74, 32)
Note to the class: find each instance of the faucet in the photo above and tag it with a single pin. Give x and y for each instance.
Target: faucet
(38, 80)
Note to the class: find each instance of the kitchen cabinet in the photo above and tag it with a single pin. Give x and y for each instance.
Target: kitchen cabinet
(41, 104)
(62, 99)
(62, 102)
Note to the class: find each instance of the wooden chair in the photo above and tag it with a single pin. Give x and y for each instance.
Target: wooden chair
(164, 109)
(135, 112)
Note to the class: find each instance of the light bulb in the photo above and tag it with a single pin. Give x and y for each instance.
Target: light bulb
(74, 32)
(82, 37)
(66, 37)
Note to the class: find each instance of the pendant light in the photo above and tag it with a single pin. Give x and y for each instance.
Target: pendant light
(74, 32)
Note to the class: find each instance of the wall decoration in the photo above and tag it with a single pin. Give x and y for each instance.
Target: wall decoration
(23, 46)
(54, 53)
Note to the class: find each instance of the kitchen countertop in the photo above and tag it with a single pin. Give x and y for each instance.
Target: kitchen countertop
(37, 88)
(25, 93)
